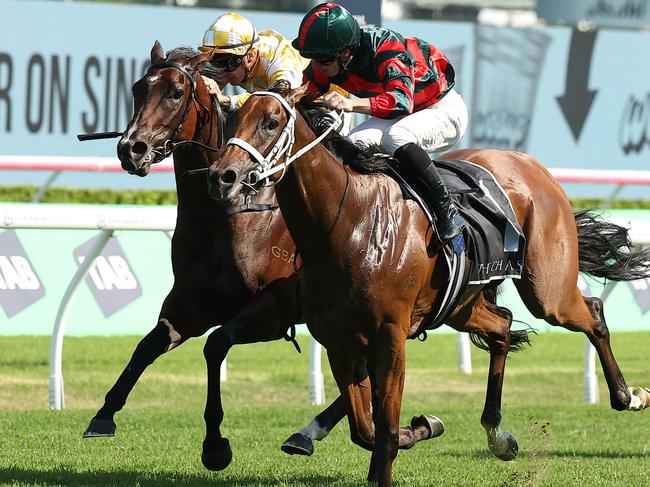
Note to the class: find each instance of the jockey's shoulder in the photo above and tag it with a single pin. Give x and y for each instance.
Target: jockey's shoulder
(271, 40)
(273, 46)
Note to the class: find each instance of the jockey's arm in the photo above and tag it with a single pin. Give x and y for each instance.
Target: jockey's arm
(335, 100)
(399, 90)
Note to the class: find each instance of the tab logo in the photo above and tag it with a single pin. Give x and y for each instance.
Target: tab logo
(110, 279)
(19, 284)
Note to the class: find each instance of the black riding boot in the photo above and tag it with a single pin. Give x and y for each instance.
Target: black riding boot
(450, 223)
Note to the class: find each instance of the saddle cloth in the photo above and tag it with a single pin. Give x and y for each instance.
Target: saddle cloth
(494, 242)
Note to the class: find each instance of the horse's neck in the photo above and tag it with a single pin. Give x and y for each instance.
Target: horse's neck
(311, 194)
(192, 190)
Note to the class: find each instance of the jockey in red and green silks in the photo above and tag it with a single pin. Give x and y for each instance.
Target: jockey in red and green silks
(406, 86)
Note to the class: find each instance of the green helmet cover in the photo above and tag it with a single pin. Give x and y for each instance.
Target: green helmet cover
(327, 29)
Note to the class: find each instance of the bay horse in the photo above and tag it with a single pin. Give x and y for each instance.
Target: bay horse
(371, 266)
(227, 263)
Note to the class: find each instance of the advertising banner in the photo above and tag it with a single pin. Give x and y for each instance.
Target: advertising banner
(125, 287)
(568, 97)
(122, 293)
(631, 14)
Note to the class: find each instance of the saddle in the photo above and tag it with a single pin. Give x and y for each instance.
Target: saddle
(494, 241)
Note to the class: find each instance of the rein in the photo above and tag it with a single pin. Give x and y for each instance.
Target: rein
(329, 232)
(169, 146)
(269, 165)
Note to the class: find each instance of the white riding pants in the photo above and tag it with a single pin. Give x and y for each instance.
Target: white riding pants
(435, 129)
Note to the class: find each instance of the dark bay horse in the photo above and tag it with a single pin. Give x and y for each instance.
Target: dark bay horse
(371, 270)
(228, 265)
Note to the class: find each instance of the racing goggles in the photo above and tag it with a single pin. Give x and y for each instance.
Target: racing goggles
(326, 60)
(226, 63)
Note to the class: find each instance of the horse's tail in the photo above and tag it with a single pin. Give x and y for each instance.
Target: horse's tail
(518, 338)
(605, 250)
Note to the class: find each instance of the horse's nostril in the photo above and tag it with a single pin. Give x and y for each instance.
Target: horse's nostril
(139, 148)
(228, 177)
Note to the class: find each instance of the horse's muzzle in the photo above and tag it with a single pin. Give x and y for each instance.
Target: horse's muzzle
(135, 156)
(222, 183)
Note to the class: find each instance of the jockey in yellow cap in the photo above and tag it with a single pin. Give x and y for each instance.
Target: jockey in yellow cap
(249, 59)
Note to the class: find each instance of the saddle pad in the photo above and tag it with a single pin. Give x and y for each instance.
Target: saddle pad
(494, 240)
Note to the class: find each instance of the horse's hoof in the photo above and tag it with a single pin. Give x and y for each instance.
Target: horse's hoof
(298, 444)
(218, 457)
(640, 398)
(506, 448)
(100, 428)
(433, 424)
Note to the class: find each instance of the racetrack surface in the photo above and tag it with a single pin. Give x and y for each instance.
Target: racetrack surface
(562, 440)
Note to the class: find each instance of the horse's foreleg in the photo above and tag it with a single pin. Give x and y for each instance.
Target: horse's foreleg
(390, 367)
(216, 452)
(422, 428)
(158, 341)
(351, 376)
(265, 319)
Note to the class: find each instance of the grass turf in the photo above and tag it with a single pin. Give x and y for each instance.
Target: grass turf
(562, 441)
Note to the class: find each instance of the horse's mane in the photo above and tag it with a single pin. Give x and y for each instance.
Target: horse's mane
(208, 70)
(183, 53)
(364, 161)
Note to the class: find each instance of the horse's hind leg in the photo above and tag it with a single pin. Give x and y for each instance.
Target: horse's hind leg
(491, 324)
(161, 339)
(566, 307)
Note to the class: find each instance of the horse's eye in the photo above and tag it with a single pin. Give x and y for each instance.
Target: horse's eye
(272, 124)
(177, 94)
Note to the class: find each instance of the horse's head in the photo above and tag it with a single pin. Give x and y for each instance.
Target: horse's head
(165, 108)
(256, 154)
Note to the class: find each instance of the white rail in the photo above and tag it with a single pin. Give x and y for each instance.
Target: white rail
(107, 220)
(112, 164)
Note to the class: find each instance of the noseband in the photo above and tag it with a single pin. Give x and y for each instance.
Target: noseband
(269, 165)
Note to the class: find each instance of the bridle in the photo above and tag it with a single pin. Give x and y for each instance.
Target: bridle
(269, 165)
(170, 145)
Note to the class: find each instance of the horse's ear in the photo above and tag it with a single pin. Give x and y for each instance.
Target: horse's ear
(157, 53)
(295, 95)
(199, 60)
